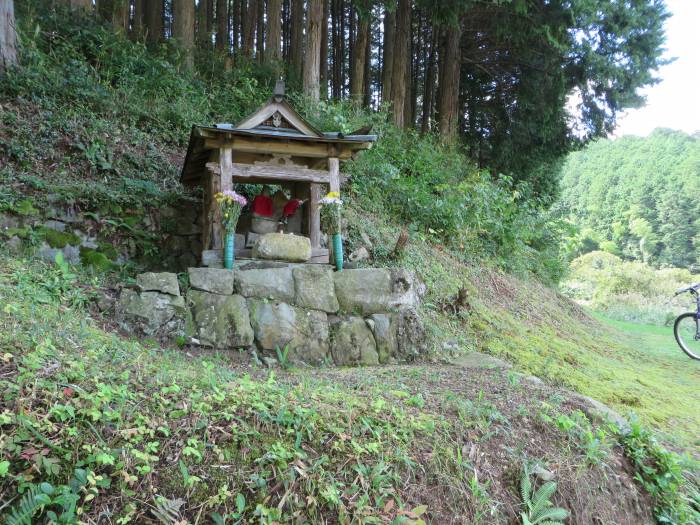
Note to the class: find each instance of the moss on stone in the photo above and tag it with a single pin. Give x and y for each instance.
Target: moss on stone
(22, 233)
(26, 207)
(94, 259)
(57, 239)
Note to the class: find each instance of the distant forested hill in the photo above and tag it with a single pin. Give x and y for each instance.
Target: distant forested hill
(637, 197)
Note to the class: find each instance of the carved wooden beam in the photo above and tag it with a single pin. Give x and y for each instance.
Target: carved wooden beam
(274, 172)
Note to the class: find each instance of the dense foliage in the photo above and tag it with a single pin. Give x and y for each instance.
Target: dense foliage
(111, 118)
(522, 60)
(637, 198)
(628, 290)
(437, 192)
(503, 89)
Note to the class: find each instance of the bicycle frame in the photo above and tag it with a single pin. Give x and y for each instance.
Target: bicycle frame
(696, 296)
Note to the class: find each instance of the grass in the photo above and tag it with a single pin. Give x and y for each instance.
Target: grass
(93, 422)
(635, 369)
(669, 378)
(143, 433)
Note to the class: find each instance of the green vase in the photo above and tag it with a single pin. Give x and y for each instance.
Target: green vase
(338, 251)
(229, 242)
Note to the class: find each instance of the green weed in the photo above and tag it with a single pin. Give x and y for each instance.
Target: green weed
(676, 494)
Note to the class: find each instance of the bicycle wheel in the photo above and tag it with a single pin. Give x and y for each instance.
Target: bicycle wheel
(686, 331)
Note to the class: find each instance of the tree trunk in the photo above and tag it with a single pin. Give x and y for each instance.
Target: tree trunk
(183, 29)
(388, 52)
(250, 17)
(324, 49)
(285, 30)
(260, 32)
(222, 25)
(312, 56)
(120, 16)
(235, 19)
(116, 12)
(8, 35)
(297, 39)
(344, 29)
(203, 35)
(448, 94)
(351, 41)
(401, 57)
(359, 56)
(411, 93)
(368, 70)
(429, 86)
(154, 21)
(210, 16)
(274, 31)
(104, 9)
(138, 26)
(335, 49)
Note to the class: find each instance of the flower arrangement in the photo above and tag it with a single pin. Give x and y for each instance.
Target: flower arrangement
(330, 212)
(231, 204)
(330, 220)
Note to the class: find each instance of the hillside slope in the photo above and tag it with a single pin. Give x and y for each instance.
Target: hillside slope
(547, 335)
(125, 429)
(95, 425)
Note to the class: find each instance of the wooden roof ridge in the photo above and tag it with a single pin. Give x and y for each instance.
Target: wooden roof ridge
(278, 104)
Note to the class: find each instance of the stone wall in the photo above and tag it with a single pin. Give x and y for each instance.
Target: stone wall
(167, 238)
(355, 317)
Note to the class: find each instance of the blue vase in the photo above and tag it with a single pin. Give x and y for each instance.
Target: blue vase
(229, 242)
(338, 251)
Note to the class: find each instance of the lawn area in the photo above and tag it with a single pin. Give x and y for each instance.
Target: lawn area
(635, 369)
(668, 378)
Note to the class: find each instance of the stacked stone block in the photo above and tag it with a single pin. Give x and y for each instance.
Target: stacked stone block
(355, 317)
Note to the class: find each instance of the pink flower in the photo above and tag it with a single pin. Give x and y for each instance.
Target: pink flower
(235, 197)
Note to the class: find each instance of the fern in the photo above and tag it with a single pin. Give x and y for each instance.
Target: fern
(33, 501)
(539, 507)
(168, 510)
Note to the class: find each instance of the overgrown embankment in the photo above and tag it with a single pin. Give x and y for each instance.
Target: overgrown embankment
(94, 424)
(472, 306)
(125, 428)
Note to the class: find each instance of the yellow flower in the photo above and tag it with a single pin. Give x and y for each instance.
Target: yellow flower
(333, 195)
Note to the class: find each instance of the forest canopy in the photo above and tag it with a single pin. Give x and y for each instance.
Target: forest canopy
(496, 76)
(637, 197)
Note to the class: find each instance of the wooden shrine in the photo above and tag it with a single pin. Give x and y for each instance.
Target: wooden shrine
(273, 146)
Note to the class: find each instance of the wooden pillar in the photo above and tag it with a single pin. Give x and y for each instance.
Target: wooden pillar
(221, 181)
(226, 166)
(209, 210)
(315, 194)
(334, 173)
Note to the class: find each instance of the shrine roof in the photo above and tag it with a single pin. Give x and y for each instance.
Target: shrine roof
(275, 128)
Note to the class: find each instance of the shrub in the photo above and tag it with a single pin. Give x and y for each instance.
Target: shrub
(627, 290)
(439, 193)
